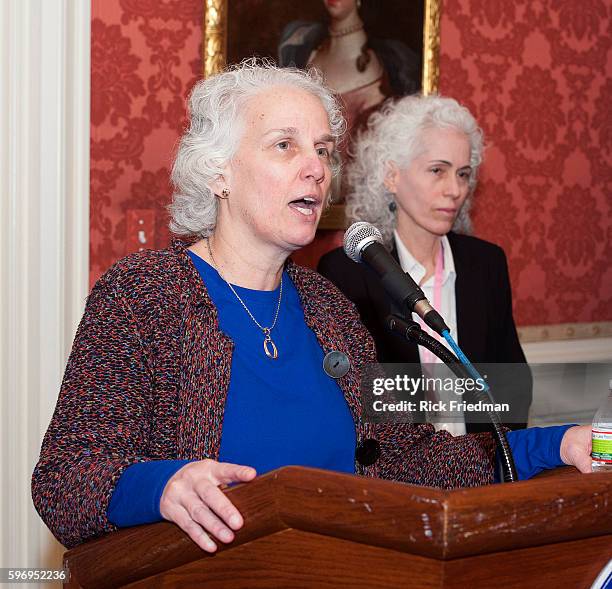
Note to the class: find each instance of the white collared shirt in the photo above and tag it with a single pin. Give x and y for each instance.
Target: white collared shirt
(448, 307)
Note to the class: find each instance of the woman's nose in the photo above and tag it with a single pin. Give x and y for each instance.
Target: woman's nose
(314, 168)
(453, 186)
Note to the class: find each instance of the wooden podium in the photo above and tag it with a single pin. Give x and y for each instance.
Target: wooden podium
(312, 528)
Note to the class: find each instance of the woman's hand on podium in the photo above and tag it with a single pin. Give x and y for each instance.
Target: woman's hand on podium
(576, 447)
(193, 500)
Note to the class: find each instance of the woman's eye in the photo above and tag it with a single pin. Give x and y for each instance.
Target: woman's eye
(283, 145)
(464, 175)
(323, 152)
(435, 170)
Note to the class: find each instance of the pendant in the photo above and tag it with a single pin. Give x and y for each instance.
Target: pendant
(269, 346)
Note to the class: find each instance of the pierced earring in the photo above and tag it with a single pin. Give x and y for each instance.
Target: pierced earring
(358, 4)
(393, 206)
(225, 193)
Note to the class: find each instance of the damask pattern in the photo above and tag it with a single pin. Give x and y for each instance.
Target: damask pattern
(144, 61)
(536, 74)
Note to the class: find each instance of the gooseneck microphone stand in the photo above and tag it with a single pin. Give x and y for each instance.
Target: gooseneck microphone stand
(412, 331)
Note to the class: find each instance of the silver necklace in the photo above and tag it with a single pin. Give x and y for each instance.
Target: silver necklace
(268, 345)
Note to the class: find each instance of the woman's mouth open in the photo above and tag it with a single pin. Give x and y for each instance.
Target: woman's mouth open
(306, 205)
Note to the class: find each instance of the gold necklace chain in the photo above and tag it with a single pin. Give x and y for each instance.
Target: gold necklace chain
(269, 346)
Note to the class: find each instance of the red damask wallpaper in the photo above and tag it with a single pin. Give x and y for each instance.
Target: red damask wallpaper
(144, 60)
(537, 76)
(536, 73)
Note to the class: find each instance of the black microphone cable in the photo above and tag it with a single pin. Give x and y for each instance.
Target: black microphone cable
(412, 331)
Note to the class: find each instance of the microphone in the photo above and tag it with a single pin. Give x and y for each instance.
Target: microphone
(364, 243)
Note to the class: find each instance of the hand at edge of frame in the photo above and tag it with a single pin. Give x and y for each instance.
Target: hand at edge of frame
(576, 447)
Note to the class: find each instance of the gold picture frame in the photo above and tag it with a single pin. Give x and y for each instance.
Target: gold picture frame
(214, 58)
(214, 46)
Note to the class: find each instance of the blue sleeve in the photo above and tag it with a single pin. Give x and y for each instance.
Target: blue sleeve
(136, 497)
(535, 449)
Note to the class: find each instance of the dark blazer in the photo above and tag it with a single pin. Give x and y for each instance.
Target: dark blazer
(485, 324)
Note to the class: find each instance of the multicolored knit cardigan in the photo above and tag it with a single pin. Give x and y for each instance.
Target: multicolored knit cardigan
(148, 377)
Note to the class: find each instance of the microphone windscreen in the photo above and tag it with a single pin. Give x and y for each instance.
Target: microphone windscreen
(357, 237)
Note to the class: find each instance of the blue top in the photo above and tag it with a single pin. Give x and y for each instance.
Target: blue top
(278, 412)
(283, 411)
(276, 417)
(535, 449)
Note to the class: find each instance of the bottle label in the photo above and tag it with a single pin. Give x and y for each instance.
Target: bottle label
(602, 445)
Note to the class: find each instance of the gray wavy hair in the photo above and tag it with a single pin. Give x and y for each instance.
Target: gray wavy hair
(216, 127)
(394, 134)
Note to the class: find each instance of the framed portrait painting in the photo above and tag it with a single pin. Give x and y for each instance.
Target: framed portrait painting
(389, 49)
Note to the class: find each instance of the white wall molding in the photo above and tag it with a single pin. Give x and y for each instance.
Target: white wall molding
(570, 379)
(578, 350)
(44, 242)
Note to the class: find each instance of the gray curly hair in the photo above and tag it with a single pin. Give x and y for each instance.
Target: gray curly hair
(394, 134)
(215, 130)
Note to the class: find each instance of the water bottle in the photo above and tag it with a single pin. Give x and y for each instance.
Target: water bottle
(602, 436)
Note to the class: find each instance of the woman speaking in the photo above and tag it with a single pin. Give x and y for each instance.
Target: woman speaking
(204, 364)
